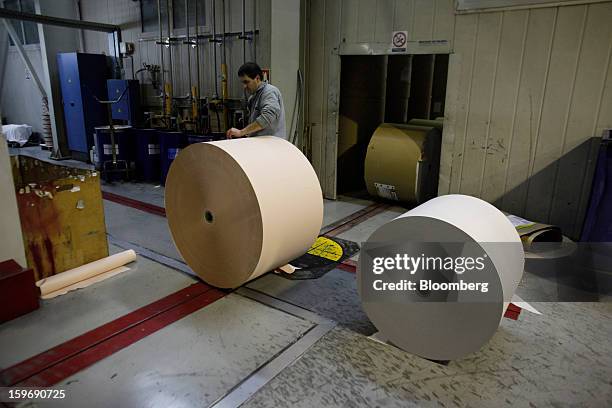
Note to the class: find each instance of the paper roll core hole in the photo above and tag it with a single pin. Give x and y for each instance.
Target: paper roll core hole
(208, 216)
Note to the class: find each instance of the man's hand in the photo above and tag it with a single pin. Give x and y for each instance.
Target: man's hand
(234, 133)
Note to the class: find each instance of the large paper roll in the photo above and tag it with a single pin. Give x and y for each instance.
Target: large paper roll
(445, 329)
(402, 162)
(240, 208)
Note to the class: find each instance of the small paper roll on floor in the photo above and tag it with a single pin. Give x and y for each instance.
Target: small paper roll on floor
(240, 208)
(439, 328)
(82, 273)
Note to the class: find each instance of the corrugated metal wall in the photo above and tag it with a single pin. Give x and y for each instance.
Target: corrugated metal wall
(127, 15)
(527, 89)
(367, 21)
(322, 78)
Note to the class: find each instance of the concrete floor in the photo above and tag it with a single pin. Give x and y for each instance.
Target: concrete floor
(77, 312)
(536, 362)
(560, 358)
(192, 362)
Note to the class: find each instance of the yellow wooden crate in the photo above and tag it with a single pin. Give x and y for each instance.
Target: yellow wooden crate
(62, 216)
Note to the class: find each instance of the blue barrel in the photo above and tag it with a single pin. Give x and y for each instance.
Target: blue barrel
(170, 144)
(124, 147)
(147, 155)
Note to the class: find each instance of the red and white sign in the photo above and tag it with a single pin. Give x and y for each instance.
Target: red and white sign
(398, 41)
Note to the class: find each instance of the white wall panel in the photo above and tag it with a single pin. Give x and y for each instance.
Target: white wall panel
(540, 109)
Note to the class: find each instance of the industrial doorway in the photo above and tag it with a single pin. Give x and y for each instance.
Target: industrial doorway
(376, 89)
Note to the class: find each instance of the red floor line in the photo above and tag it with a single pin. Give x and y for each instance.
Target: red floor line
(333, 229)
(70, 348)
(348, 265)
(65, 368)
(130, 202)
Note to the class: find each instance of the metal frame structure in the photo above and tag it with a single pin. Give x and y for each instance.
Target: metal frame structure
(114, 38)
(113, 30)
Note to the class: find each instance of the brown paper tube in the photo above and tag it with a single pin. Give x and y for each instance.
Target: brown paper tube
(240, 208)
(72, 276)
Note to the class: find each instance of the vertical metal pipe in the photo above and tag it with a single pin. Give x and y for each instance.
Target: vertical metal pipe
(77, 5)
(197, 48)
(198, 90)
(132, 64)
(4, 45)
(169, 31)
(188, 47)
(224, 88)
(214, 41)
(244, 38)
(224, 32)
(254, 39)
(161, 57)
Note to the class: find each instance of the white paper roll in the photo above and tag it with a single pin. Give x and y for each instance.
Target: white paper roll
(441, 330)
(240, 208)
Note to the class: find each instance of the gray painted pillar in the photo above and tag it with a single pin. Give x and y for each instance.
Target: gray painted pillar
(3, 60)
(285, 54)
(54, 40)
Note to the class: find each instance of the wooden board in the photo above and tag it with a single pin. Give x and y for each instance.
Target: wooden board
(62, 217)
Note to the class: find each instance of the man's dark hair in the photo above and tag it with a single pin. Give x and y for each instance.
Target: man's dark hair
(251, 70)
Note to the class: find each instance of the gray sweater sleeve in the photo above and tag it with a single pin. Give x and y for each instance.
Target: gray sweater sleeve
(270, 109)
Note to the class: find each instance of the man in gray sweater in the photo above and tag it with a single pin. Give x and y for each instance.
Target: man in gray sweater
(265, 104)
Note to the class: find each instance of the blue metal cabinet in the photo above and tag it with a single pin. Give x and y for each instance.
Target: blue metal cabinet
(82, 76)
(128, 107)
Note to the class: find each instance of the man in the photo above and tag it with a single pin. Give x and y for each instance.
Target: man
(265, 105)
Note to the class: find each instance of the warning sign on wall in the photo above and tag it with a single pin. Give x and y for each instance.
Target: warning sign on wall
(398, 41)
